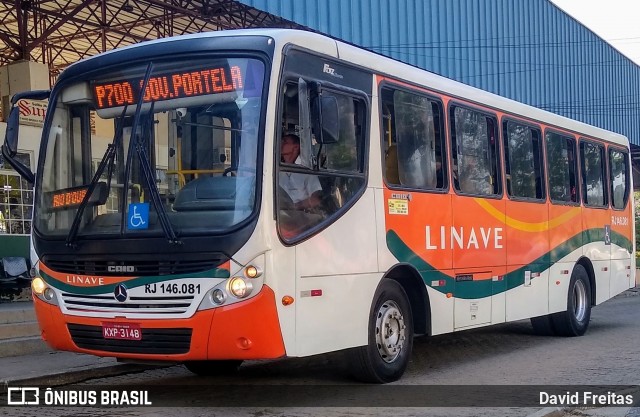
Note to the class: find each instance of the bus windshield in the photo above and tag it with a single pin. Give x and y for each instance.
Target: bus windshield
(191, 161)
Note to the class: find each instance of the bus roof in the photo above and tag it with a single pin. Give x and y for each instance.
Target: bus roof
(388, 67)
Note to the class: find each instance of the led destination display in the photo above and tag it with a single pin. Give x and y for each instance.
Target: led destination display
(64, 199)
(167, 86)
(69, 198)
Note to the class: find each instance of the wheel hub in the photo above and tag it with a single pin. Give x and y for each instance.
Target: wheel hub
(390, 331)
(580, 298)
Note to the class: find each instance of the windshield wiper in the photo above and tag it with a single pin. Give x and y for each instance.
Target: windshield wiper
(153, 187)
(107, 158)
(136, 144)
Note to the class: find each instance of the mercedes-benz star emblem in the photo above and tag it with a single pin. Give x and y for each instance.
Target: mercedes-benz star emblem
(121, 293)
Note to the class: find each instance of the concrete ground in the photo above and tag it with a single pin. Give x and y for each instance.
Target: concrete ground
(59, 368)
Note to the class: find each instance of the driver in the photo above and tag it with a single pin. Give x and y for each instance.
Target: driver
(304, 189)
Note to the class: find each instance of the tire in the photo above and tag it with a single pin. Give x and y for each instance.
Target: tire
(379, 362)
(543, 325)
(575, 320)
(213, 368)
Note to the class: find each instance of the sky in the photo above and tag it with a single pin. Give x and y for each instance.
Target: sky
(615, 21)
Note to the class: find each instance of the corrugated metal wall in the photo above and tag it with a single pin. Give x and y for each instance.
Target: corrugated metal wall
(527, 50)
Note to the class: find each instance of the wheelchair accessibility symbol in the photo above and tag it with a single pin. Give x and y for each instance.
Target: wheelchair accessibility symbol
(138, 216)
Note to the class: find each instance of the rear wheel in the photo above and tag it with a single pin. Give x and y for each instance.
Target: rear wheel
(385, 358)
(575, 320)
(212, 368)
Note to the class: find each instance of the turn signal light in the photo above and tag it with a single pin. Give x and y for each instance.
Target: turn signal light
(287, 300)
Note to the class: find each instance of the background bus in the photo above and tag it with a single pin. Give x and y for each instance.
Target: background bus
(170, 234)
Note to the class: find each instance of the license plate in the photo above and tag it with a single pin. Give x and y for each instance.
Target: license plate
(122, 331)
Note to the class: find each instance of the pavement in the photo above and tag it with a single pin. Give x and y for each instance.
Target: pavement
(55, 368)
(587, 412)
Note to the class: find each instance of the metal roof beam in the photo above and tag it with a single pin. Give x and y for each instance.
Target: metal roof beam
(187, 12)
(57, 25)
(59, 32)
(6, 39)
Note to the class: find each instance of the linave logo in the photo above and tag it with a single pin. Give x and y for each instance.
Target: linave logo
(327, 69)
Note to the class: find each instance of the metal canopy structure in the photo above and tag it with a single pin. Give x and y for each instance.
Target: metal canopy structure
(61, 32)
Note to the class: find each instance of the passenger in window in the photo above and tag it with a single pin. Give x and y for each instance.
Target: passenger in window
(304, 190)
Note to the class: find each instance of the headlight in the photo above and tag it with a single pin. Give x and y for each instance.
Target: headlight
(239, 287)
(48, 294)
(218, 296)
(252, 272)
(38, 285)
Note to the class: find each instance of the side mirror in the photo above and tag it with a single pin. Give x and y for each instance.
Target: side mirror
(24, 171)
(10, 146)
(11, 135)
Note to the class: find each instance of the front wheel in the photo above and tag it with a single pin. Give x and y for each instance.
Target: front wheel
(575, 320)
(213, 368)
(385, 358)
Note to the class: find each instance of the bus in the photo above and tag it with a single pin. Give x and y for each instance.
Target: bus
(173, 222)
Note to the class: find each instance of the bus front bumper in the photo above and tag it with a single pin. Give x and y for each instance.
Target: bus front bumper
(246, 330)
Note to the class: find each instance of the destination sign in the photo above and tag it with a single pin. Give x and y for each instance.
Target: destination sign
(64, 199)
(72, 197)
(167, 86)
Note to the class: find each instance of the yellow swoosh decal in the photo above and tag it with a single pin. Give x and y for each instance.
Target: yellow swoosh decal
(526, 226)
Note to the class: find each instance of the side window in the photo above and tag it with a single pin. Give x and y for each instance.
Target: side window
(619, 172)
(413, 140)
(474, 152)
(562, 168)
(322, 171)
(592, 161)
(523, 161)
(345, 154)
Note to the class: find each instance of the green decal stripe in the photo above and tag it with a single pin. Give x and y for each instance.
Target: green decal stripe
(623, 242)
(404, 253)
(132, 283)
(570, 245)
(486, 288)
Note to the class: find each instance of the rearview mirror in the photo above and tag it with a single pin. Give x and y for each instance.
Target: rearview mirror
(11, 135)
(10, 146)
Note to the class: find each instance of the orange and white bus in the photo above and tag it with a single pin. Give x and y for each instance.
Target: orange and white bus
(167, 227)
